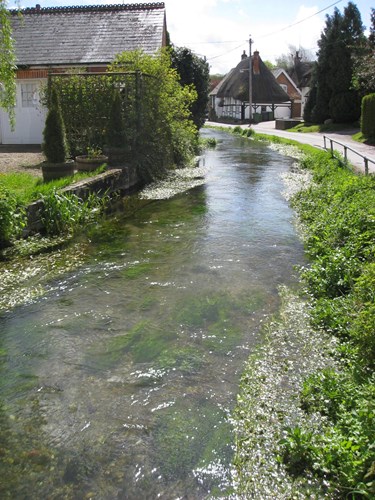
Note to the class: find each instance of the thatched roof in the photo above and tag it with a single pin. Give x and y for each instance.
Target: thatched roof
(265, 87)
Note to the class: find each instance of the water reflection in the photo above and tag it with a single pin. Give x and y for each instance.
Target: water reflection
(123, 375)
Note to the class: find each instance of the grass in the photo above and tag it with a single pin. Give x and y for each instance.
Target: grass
(28, 188)
(359, 137)
(329, 127)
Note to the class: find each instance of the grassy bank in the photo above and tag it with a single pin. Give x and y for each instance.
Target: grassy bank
(61, 212)
(327, 445)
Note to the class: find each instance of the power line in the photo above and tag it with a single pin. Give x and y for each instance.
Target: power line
(301, 21)
(262, 36)
(228, 52)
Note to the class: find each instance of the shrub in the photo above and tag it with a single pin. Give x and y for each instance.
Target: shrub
(368, 116)
(364, 320)
(116, 124)
(54, 145)
(12, 217)
(345, 107)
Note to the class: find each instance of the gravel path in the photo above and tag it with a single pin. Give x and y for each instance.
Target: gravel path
(21, 159)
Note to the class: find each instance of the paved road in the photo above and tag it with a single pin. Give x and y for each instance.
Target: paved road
(316, 139)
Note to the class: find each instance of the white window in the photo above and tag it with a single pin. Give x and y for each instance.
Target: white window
(29, 94)
(284, 87)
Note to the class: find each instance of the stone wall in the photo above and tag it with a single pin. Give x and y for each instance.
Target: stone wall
(116, 180)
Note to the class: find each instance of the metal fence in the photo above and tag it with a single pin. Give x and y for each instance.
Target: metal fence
(346, 148)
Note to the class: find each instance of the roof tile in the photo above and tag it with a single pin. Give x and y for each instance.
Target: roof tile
(86, 35)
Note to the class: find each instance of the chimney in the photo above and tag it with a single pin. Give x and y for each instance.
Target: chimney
(244, 56)
(256, 63)
(297, 58)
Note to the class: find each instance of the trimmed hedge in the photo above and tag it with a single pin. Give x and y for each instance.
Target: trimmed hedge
(368, 116)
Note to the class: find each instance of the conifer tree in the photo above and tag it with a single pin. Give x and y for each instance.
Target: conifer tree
(340, 41)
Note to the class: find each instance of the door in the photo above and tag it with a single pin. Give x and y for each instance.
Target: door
(30, 115)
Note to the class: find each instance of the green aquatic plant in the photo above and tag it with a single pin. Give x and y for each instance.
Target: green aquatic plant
(12, 217)
(63, 213)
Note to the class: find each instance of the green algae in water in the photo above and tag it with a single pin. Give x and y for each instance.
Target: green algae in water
(138, 269)
(142, 343)
(184, 359)
(198, 311)
(184, 441)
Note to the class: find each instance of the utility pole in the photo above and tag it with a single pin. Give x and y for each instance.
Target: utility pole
(250, 84)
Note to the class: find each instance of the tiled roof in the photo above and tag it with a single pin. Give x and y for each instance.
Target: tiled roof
(86, 35)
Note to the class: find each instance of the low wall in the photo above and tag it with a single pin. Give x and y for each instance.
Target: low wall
(285, 123)
(116, 180)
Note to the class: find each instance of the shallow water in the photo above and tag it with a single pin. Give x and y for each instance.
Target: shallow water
(119, 374)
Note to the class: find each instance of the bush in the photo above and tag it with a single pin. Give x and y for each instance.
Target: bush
(368, 116)
(116, 124)
(345, 107)
(54, 145)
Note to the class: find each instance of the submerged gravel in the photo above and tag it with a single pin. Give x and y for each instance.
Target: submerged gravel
(268, 402)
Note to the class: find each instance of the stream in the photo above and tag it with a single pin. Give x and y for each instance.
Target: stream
(121, 356)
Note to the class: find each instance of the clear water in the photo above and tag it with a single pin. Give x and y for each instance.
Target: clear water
(118, 375)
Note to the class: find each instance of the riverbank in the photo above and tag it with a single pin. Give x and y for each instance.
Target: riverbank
(323, 437)
(316, 139)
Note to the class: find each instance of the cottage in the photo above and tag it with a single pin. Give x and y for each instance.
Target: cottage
(230, 99)
(59, 39)
(290, 87)
(301, 74)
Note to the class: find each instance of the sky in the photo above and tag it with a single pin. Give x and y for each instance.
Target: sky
(220, 30)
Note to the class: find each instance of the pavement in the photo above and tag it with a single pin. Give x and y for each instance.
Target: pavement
(354, 149)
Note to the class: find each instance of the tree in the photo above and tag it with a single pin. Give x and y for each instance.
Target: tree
(54, 145)
(165, 133)
(340, 42)
(7, 63)
(286, 61)
(193, 70)
(364, 74)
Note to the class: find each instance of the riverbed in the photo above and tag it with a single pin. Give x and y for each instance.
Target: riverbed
(122, 356)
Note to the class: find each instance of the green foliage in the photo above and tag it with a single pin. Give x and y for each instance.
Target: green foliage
(205, 143)
(85, 103)
(343, 452)
(163, 132)
(139, 104)
(364, 73)
(362, 329)
(341, 39)
(345, 107)
(54, 145)
(12, 216)
(368, 116)
(115, 133)
(63, 213)
(7, 64)
(193, 70)
(338, 212)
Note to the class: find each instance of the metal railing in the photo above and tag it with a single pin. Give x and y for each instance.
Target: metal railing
(366, 160)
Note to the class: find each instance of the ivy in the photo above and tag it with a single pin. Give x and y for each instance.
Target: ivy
(7, 64)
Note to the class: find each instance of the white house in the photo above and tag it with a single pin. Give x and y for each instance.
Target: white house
(230, 99)
(57, 39)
